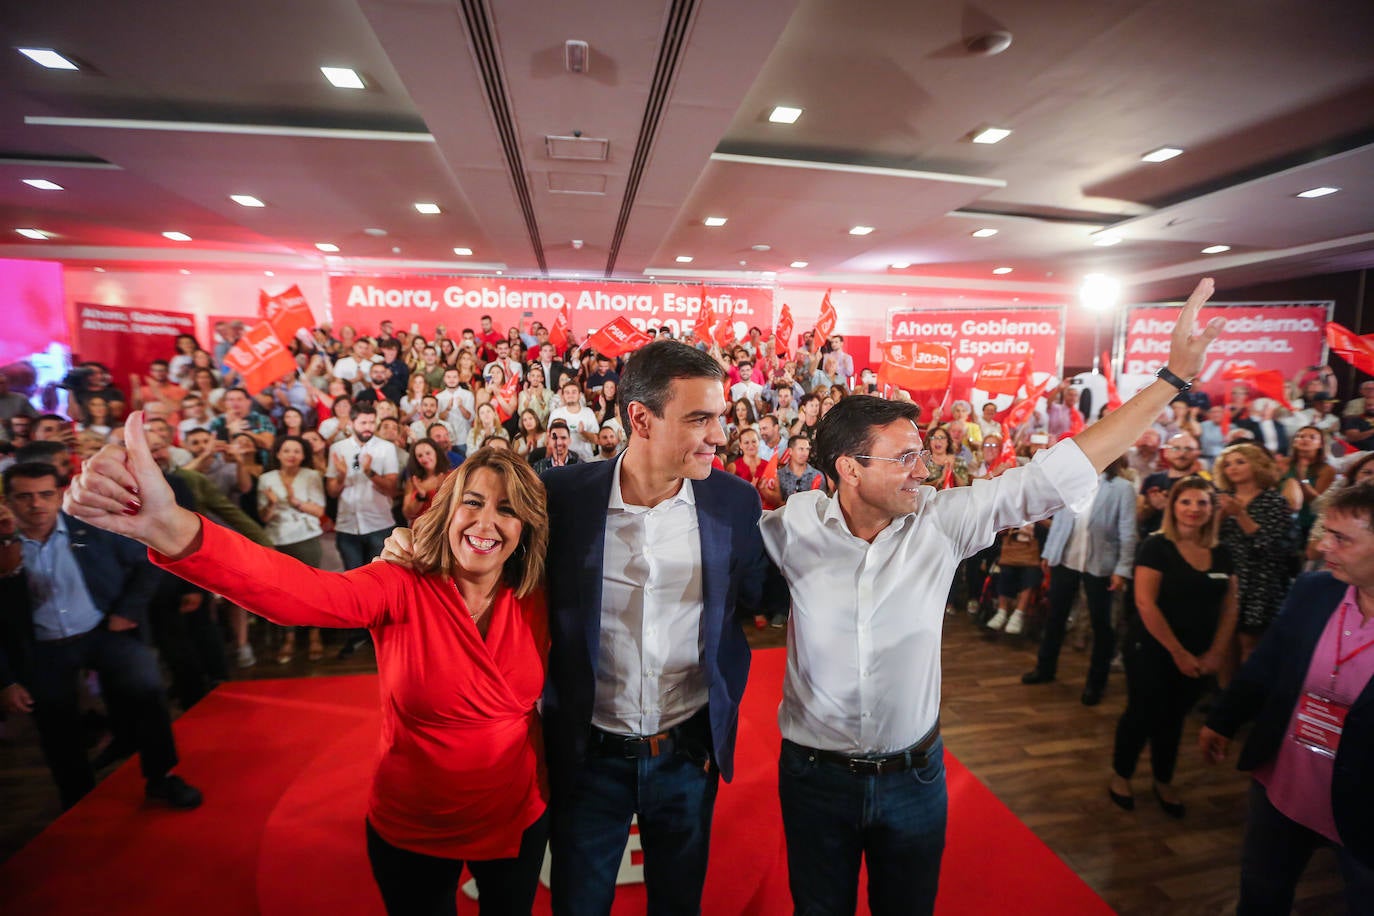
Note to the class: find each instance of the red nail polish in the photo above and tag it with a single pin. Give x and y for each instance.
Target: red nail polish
(133, 511)
(132, 507)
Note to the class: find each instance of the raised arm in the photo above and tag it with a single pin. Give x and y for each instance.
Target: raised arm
(1108, 438)
(125, 492)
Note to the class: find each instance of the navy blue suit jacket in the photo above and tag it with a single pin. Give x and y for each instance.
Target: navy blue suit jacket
(734, 568)
(1267, 688)
(117, 574)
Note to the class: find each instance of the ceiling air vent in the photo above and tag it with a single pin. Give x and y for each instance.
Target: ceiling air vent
(583, 148)
(572, 183)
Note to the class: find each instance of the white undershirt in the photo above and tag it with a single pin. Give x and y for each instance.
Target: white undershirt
(649, 675)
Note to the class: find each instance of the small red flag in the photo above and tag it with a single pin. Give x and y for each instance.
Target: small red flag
(287, 312)
(1358, 351)
(620, 336)
(558, 334)
(1269, 382)
(915, 365)
(825, 322)
(1000, 378)
(259, 358)
(783, 333)
(1113, 398)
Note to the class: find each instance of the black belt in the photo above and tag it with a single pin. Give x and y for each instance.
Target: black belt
(639, 746)
(911, 758)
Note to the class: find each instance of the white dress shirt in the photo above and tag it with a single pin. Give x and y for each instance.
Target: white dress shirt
(649, 675)
(450, 400)
(290, 525)
(579, 420)
(863, 648)
(362, 507)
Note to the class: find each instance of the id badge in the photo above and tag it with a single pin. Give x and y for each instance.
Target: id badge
(1319, 723)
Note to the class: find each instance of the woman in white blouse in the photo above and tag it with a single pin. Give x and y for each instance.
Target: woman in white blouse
(291, 504)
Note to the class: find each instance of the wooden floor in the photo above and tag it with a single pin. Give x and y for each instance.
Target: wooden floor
(1037, 748)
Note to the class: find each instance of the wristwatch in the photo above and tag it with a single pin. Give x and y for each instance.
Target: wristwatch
(1166, 375)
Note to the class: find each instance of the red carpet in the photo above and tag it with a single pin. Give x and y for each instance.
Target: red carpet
(285, 764)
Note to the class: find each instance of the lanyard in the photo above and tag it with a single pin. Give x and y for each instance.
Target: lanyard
(1340, 638)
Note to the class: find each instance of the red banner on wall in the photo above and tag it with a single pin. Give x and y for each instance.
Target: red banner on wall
(976, 336)
(126, 340)
(1286, 336)
(459, 302)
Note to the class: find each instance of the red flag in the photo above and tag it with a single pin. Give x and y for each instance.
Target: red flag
(1001, 378)
(915, 365)
(1006, 455)
(1358, 351)
(1269, 382)
(784, 331)
(558, 334)
(1020, 412)
(287, 312)
(948, 480)
(512, 384)
(620, 336)
(706, 317)
(825, 322)
(725, 331)
(259, 358)
(769, 495)
(1226, 414)
(1113, 398)
(1075, 421)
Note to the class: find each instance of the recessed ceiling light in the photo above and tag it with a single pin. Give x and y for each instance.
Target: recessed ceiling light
(861, 230)
(99, 270)
(800, 264)
(1216, 249)
(327, 246)
(184, 272)
(427, 208)
(246, 200)
(1318, 192)
(900, 265)
(983, 233)
(991, 135)
(463, 252)
(714, 221)
(1107, 241)
(44, 184)
(375, 233)
(342, 77)
(37, 235)
(761, 247)
(176, 236)
(1001, 270)
(48, 58)
(684, 259)
(269, 273)
(1163, 154)
(784, 115)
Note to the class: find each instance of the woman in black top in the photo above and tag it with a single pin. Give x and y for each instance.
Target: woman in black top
(1185, 596)
(1257, 527)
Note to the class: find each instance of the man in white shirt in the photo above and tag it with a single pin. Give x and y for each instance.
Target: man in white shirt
(456, 405)
(363, 474)
(868, 571)
(771, 440)
(354, 368)
(581, 421)
(607, 441)
(427, 417)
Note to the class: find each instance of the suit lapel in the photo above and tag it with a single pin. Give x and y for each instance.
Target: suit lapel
(714, 530)
(591, 524)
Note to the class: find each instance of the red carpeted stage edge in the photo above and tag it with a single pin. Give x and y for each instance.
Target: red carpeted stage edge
(285, 766)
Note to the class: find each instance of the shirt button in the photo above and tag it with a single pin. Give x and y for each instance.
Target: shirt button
(868, 715)
(867, 673)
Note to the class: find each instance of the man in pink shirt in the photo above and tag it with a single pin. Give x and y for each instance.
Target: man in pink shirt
(1307, 687)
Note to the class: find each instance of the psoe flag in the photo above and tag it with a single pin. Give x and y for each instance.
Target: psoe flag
(915, 365)
(259, 358)
(620, 336)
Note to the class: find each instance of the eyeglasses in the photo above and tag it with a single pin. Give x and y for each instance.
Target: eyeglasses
(1181, 448)
(907, 460)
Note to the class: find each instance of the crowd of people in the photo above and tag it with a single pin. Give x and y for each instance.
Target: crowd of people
(1201, 525)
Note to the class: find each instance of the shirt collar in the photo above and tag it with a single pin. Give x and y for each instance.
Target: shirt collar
(684, 495)
(834, 515)
(61, 529)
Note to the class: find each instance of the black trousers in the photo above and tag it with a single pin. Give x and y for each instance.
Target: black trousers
(132, 683)
(190, 644)
(1064, 583)
(414, 884)
(1158, 697)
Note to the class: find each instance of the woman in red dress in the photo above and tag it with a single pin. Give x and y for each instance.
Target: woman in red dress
(462, 649)
(748, 466)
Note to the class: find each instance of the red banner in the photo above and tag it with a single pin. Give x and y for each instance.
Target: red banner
(1268, 382)
(1287, 337)
(127, 339)
(287, 312)
(620, 336)
(1358, 351)
(915, 366)
(981, 336)
(259, 358)
(459, 302)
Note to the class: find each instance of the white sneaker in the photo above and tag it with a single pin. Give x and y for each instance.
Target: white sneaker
(973, 608)
(246, 658)
(998, 620)
(1016, 624)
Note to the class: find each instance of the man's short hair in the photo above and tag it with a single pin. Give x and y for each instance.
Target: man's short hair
(438, 424)
(649, 374)
(559, 423)
(364, 407)
(32, 470)
(391, 343)
(848, 428)
(199, 429)
(241, 390)
(159, 362)
(1356, 502)
(39, 451)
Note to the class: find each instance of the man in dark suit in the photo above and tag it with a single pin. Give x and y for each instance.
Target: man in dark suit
(73, 598)
(648, 557)
(1309, 687)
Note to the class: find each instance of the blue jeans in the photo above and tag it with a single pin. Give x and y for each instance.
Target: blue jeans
(1275, 854)
(361, 549)
(832, 819)
(674, 795)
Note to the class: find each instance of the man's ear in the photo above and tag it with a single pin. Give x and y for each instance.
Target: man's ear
(640, 416)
